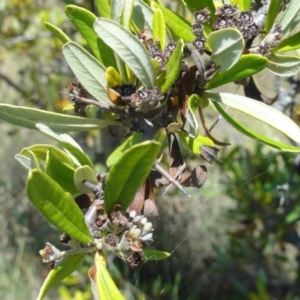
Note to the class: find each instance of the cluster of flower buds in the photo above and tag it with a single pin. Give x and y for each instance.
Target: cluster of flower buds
(124, 235)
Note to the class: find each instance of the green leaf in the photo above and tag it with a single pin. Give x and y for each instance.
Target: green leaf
(24, 161)
(113, 78)
(57, 32)
(128, 48)
(291, 17)
(128, 173)
(107, 290)
(194, 144)
(290, 43)
(57, 206)
(60, 171)
(195, 5)
(174, 66)
(117, 7)
(193, 104)
(254, 135)
(242, 4)
(84, 173)
(261, 111)
(159, 28)
(103, 8)
(142, 15)
(88, 70)
(60, 272)
(227, 46)
(246, 66)
(75, 151)
(151, 254)
(117, 153)
(178, 25)
(283, 65)
(272, 14)
(127, 14)
(28, 117)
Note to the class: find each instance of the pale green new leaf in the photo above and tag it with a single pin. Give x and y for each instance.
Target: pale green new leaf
(128, 47)
(57, 32)
(195, 144)
(57, 206)
(82, 174)
(127, 14)
(28, 117)
(60, 272)
(254, 135)
(151, 254)
(103, 8)
(226, 45)
(87, 70)
(283, 65)
(174, 65)
(242, 4)
(159, 28)
(260, 111)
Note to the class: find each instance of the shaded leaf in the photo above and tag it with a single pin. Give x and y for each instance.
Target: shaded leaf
(128, 47)
(283, 65)
(88, 71)
(194, 5)
(57, 206)
(291, 17)
(255, 135)
(135, 163)
(227, 45)
(60, 272)
(106, 287)
(57, 32)
(28, 117)
(151, 254)
(193, 103)
(246, 66)
(24, 161)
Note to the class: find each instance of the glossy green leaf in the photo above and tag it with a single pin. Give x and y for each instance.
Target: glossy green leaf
(174, 66)
(27, 117)
(291, 17)
(128, 47)
(103, 8)
(57, 32)
(241, 4)
(127, 14)
(290, 43)
(107, 289)
(194, 144)
(246, 66)
(84, 173)
(75, 151)
(159, 28)
(227, 46)
(260, 111)
(88, 70)
(117, 153)
(57, 206)
(178, 25)
(60, 272)
(272, 14)
(151, 254)
(128, 173)
(283, 65)
(60, 171)
(195, 5)
(255, 135)
(193, 104)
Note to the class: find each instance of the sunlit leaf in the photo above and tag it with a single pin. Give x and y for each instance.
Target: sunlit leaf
(88, 70)
(283, 65)
(57, 32)
(60, 272)
(255, 135)
(107, 289)
(246, 66)
(128, 47)
(159, 28)
(127, 14)
(227, 45)
(103, 8)
(260, 111)
(128, 173)
(28, 117)
(151, 254)
(75, 151)
(178, 25)
(174, 66)
(117, 153)
(113, 78)
(84, 173)
(291, 17)
(57, 206)
(273, 10)
(194, 144)
(290, 43)
(117, 10)
(241, 4)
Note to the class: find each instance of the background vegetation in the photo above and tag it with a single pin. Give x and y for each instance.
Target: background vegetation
(235, 239)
